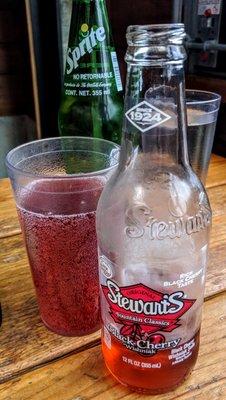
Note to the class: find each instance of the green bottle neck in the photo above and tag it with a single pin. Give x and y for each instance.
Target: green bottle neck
(89, 34)
(87, 15)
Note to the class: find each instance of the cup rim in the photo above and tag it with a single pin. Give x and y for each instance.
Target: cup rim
(16, 169)
(216, 97)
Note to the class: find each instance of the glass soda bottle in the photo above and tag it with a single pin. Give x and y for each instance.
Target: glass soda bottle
(92, 101)
(153, 223)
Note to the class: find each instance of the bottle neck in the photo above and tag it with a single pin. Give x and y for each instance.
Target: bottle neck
(87, 14)
(89, 31)
(155, 114)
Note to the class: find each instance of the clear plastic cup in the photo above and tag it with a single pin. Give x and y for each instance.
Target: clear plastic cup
(57, 183)
(202, 111)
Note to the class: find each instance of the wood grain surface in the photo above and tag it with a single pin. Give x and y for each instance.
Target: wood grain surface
(84, 376)
(217, 171)
(24, 340)
(9, 224)
(216, 274)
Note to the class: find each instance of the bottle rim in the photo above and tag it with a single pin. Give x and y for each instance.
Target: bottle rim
(141, 35)
(211, 97)
(158, 26)
(18, 170)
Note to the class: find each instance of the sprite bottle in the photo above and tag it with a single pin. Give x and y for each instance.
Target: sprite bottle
(92, 101)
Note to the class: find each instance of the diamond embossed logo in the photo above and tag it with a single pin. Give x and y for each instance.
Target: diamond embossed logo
(144, 116)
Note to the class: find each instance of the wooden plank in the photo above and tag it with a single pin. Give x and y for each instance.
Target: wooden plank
(217, 171)
(216, 281)
(9, 224)
(8, 217)
(84, 376)
(25, 342)
(15, 278)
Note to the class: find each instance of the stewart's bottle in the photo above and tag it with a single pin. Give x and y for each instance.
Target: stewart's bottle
(92, 101)
(153, 223)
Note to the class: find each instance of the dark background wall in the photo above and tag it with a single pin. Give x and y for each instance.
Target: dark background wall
(15, 77)
(135, 12)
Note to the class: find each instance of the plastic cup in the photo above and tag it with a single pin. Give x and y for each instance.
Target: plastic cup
(202, 111)
(57, 183)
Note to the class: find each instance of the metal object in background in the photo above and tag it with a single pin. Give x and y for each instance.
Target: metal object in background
(206, 46)
(202, 20)
(177, 10)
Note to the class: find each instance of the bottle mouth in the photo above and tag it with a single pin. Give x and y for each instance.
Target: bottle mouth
(144, 35)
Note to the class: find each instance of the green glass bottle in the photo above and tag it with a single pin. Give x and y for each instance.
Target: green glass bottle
(92, 100)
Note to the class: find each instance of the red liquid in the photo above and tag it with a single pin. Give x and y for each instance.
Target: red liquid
(142, 373)
(60, 236)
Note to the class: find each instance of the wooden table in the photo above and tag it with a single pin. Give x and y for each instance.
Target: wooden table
(39, 365)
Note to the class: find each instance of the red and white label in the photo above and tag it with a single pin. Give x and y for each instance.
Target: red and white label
(142, 314)
(209, 7)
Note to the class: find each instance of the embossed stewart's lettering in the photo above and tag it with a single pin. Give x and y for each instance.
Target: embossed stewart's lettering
(139, 219)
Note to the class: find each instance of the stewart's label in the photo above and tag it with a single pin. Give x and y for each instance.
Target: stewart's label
(141, 313)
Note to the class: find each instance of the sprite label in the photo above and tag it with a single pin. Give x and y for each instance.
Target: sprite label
(87, 83)
(92, 102)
